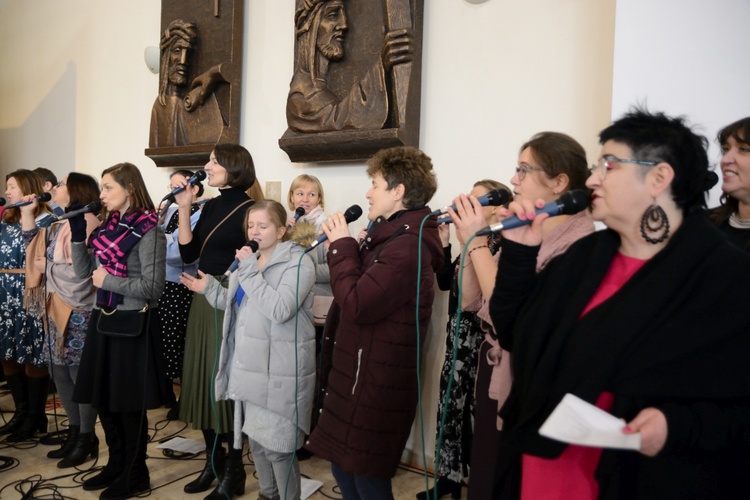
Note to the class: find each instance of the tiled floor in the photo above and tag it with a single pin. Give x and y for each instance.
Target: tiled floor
(30, 469)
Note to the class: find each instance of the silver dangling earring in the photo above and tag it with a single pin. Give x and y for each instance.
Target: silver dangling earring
(655, 221)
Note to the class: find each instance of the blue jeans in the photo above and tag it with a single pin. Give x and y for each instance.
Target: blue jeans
(361, 487)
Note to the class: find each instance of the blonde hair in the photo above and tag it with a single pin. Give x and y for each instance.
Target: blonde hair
(302, 180)
(276, 212)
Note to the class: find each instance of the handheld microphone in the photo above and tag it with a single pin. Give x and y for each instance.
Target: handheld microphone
(197, 177)
(41, 197)
(2, 202)
(233, 267)
(494, 198)
(352, 213)
(569, 203)
(92, 207)
(298, 212)
(444, 220)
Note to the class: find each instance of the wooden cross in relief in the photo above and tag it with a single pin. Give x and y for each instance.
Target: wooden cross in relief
(216, 8)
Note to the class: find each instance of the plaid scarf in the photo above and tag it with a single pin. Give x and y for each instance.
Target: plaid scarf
(113, 241)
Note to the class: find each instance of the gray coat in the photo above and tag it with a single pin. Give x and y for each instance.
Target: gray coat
(259, 343)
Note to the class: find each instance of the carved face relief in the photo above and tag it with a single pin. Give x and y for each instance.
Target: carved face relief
(330, 36)
(178, 67)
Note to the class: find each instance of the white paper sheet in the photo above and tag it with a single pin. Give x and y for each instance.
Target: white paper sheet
(183, 445)
(577, 422)
(309, 486)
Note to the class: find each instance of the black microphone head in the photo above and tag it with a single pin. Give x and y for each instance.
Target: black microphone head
(574, 201)
(498, 197)
(44, 197)
(197, 177)
(2, 202)
(253, 245)
(299, 212)
(353, 213)
(94, 207)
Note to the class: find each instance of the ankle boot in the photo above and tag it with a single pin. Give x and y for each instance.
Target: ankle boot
(17, 386)
(130, 483)
(206, 478)
(86, 444)
(444, 486)
(233, 481)
(72, 436)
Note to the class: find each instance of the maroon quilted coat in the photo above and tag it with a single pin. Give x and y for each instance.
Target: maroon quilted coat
(370, 344)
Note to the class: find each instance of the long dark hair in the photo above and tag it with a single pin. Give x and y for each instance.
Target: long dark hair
(740, 132)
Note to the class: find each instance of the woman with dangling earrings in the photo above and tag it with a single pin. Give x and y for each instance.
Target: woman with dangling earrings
(733, 216)
(641, 320)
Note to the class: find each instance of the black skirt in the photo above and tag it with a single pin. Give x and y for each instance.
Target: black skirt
(123, 374)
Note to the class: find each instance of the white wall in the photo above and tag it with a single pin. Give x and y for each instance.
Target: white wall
(76, 95)
(684, 57)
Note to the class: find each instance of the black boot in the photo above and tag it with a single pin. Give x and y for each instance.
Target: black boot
(72, 436)
(86, 444)
(443, 487)
(206, 478)
(233, 481)
(135, 477)
(36, 419)
(17, 386)
(114, 436)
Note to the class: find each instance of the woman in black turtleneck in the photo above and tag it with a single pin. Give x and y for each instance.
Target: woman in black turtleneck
(216, 237)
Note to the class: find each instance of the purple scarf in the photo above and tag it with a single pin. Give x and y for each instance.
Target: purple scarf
(112, 243)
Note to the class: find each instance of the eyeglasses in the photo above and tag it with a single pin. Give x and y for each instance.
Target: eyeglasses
(606, 163)
(524, 168)
(60, 184)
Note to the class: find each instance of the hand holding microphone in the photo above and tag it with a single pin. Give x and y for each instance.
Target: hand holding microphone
(298, 212)
(494, 198)
(467, 217)
(192, 181)
(242, 254)
(534, 214)
(337, 226)
(29, 199)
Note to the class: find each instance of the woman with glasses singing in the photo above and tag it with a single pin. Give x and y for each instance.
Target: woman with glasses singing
(549, 164)
(646, 320)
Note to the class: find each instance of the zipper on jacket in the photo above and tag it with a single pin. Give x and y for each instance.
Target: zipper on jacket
(356, 374)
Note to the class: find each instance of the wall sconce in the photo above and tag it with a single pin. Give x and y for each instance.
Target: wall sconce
(151, 56)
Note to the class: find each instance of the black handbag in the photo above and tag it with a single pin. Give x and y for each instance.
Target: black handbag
(126, 324)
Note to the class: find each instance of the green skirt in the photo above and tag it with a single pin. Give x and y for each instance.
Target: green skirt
(198, 404)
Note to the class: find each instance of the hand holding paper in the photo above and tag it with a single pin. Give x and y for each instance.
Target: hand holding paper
(577, 422)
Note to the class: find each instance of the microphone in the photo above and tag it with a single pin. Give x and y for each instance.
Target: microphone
(444, 220)
(92, 207)
(41, 197)
(233, 267)
(494, 198)
(2, 202)
(352, 213)
(298, 212)
(198, 176)
(569, 203)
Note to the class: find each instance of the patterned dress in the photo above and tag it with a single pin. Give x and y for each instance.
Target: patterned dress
(21, 332)
(66, 350)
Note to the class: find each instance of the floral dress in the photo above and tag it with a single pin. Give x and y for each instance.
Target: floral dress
(21, 331)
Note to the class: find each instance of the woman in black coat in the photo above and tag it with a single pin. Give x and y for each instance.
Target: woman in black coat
(646, 320)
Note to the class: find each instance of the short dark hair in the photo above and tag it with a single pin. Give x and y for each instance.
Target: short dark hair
(239, 165)
(661, 138)
(557, 154)
(46, 175)
(82, 189)
(408, 166)
(128, 176)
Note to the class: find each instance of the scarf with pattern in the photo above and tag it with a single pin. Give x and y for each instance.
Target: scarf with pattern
(113, 241)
